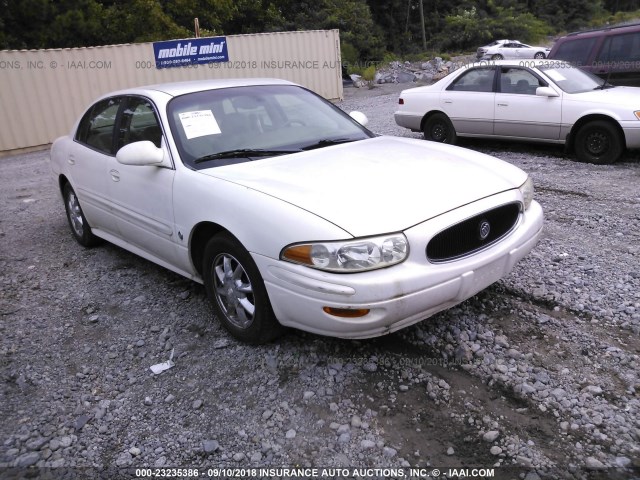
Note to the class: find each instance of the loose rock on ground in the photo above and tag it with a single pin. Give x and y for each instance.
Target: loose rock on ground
(538, 372)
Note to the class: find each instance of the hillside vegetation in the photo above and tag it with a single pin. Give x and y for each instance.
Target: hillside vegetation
(368, 29)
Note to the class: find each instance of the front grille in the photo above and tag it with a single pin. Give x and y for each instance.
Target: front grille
(471, 235)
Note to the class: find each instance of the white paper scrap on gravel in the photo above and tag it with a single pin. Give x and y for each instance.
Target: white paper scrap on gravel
(158, 368)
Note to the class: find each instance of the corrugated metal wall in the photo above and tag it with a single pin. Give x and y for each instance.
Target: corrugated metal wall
(42, 92)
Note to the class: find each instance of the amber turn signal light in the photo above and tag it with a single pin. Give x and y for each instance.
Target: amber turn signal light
(346, 312)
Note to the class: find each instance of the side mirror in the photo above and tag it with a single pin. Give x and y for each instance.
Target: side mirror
(359, 117)
(140, 153)
(546, 92)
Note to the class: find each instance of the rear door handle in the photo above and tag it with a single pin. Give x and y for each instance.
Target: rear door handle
(71, 160)
(115, 175)
(503, 104)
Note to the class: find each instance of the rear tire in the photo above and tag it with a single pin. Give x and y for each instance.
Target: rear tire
(77, 221)
(598, 142)
(539, 55)
(438, 128)
(237, 293)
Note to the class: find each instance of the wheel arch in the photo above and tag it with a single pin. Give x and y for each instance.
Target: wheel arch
(200, 236)
(570, 143)
(62, 181)
(429, 115)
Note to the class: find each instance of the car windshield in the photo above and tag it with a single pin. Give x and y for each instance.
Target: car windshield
(573, 80)
(223, 126)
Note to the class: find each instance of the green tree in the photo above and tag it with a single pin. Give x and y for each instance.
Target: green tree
(566, 15)
(79, 23)
(22, 23)
(615, 6)
(139, 21)
(352, 17)
(76, 22)
(212, 15)
(470, 27)
(368, 28)
(256, 16)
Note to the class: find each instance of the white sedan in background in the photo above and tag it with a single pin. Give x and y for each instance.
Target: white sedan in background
(502, 49)
(533, 100)
(289, 211)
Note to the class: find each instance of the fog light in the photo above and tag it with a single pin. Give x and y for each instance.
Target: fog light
(346, 312)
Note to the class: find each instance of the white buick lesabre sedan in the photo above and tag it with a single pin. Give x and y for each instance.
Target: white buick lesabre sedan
(289, 211)
(531, 100)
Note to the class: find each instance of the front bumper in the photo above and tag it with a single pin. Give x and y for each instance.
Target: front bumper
(401, 295)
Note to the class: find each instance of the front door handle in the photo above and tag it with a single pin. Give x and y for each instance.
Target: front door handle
(115, 175)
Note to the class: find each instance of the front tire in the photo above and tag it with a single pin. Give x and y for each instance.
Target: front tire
(77, 221)
(539, 55)
(237, 293)
(497, 56)
(438, 128)
(598, 142)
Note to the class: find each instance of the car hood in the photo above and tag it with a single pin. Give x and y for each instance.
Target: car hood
(618, 96)
(378, 185)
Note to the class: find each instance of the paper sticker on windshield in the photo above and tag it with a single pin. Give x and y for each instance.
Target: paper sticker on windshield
(199, 123)
(555, 75)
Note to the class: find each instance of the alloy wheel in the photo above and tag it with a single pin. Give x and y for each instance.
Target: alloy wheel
(233, 290)
(75, 214)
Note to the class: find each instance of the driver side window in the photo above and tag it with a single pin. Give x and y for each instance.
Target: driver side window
(139, 122)
(519, 81)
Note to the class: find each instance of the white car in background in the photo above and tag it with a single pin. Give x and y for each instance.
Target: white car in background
(288, 210)
(531, 100)
(501, 49)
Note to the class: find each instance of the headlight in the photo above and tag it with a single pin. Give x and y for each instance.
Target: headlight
(527, 192)
(349, 255)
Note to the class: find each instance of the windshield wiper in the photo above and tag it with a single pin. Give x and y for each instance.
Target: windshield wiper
(326, 142)
(243, 152)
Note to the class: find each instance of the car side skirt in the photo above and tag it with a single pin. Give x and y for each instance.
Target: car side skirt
(512, 138)
(144, 254)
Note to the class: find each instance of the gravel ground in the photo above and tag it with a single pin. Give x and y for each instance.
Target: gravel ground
(536, 377)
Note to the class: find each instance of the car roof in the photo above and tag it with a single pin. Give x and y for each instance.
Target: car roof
(632, 27)
(175, 89)
(516, 62)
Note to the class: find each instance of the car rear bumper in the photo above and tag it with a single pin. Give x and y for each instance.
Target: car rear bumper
(410, 121)
(397, 296)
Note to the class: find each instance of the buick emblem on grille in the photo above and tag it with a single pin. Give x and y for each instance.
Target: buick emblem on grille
(483, 229)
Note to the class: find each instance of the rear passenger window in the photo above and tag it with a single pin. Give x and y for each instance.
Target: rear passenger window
(96, 127)
(475, 80)
(620, 48)
(575, 51)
